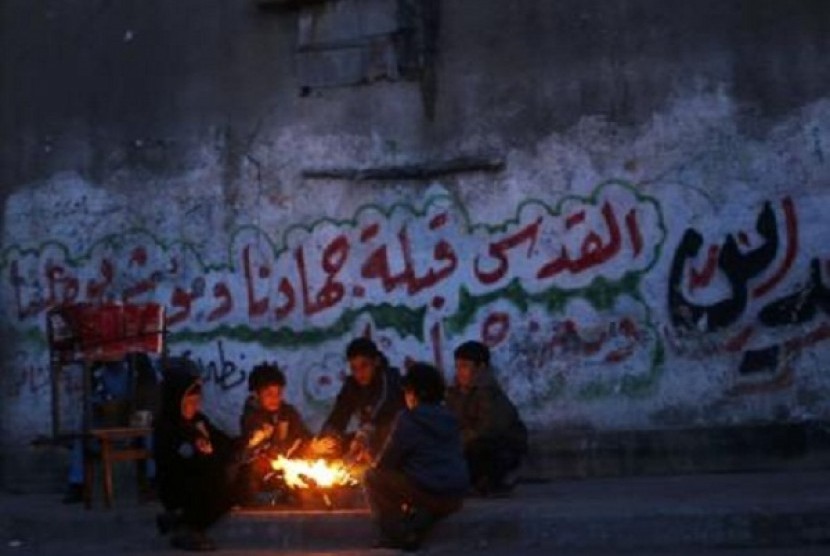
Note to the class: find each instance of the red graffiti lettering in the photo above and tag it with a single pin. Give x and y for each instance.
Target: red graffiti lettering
(183, 300)
(634, 231)
(574, 219)
(529, 234)
(256, 306)
(138, 257)
(593, 250)
(789, 256)
(377, 266)
(701, 279)
(287, 291)
(96, 289)
(369, 232)
(334, 258)
(223, 294)
(438, 221)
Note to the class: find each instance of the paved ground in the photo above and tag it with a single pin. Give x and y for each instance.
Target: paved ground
(161, 550)
(763, 514)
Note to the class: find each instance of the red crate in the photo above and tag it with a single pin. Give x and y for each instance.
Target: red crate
(105, 332)
(102, 332)
(144, 327)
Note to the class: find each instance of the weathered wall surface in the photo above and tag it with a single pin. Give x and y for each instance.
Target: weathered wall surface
(652, 253)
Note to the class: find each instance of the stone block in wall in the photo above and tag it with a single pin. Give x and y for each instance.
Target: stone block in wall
(346, 21)
(347, 42)
(348, 64)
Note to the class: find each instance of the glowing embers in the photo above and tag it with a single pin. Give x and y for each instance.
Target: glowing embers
(310, 485)
(305, 474)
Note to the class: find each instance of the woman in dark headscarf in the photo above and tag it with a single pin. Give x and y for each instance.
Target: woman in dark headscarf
(192, 458)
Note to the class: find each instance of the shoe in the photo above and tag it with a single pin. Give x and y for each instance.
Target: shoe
(511, 478)
(415, 527)
(504, 487)
(419, 521)
(391, 535)
(167, 521)
(192, 541)
(74, 494)
(412, 541)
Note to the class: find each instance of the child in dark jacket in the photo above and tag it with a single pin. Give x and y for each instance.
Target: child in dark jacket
(371, 396)
(192, 458)
(495, 438)
(420, 475)
(271, 427)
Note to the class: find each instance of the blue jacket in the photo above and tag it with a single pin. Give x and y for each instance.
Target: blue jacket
(425, 444)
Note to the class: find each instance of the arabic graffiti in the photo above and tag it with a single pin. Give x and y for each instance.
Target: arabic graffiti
(754, 288)
(805, 306)
(224, 373)
(737, 265)
(418, 278)
(319, 280)
(29, 377)
(801, 306)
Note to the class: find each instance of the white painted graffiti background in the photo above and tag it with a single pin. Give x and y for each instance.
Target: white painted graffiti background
(674, 277)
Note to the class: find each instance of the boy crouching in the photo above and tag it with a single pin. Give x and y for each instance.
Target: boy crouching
(420, 475)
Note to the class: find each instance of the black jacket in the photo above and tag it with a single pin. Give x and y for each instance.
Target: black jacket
(425, 444)
(376, 404)
(182, 470)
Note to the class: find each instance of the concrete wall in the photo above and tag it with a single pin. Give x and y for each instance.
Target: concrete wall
(624, 200)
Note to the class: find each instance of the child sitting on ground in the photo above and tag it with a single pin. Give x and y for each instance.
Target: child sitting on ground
(271, 427)
(495, 438)
(192, 460)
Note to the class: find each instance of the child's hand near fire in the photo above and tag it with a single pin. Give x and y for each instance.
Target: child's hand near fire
(260, 435)
(325, 446)
(360, 454)
(202, 441)
(204, 446)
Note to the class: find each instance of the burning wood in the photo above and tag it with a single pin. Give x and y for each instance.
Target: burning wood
(305, 474)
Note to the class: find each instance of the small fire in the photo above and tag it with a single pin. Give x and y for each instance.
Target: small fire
(301, 473)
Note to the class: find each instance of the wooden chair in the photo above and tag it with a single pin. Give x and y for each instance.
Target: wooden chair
(116, 444)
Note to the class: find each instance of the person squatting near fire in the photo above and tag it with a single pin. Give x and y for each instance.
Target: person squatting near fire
(420, 475)
(372, 396)
(193, 460)
(495, 438)
(271, 427)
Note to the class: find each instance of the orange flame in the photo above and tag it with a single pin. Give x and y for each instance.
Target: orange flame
(301, 473)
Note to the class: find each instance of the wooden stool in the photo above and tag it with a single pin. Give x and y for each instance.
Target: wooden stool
(111, 452)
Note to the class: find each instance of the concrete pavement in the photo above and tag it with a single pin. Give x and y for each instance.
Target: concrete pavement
(776, 512)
